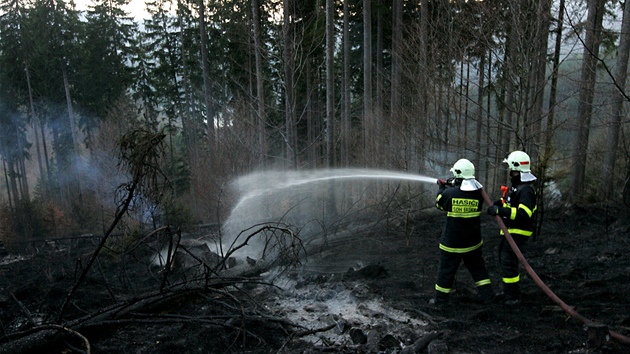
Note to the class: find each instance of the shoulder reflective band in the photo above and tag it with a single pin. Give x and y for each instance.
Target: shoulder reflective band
(526, 209)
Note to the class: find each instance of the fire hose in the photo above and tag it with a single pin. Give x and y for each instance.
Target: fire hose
(569, 310)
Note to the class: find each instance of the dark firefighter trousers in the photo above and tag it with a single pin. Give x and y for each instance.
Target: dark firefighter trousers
(449, 263)
(510, 266)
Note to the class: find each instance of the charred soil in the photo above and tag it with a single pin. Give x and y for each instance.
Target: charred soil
(125, 305)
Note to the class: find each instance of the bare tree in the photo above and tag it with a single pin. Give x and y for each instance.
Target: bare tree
(34, 120)
(368, 106)
(380, 73)
(533, 123)
(330, 81)
(543, 159)
(73, 128)
(587, 91)
(423, 87)
(621, 74)
(488, 121)
(289, 71)
(397, 25)
(345, 151)
(260, 95)
(207, 83)
(479, 113)
(511, 61)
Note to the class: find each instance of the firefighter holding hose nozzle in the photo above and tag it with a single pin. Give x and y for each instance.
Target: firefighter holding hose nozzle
(517, 210)
(461, 198)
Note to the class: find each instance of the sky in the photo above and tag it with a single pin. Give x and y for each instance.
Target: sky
(135, 7)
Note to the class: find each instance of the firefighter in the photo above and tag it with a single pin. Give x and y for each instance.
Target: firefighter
(461, 198)
(517, 209)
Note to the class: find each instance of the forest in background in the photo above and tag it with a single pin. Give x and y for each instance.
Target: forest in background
(96, 106)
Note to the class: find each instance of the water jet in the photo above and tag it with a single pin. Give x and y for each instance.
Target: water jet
(316, 201)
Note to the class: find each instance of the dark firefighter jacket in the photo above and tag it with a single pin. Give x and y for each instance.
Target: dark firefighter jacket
(462, 231)
(519, 208)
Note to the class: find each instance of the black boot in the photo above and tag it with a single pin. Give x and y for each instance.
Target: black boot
(512, 294)
(439, 299)
(486, 294)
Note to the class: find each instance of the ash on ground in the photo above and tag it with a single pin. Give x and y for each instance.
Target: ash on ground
(342, 310)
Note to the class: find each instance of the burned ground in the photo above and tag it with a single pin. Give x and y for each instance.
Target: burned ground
(125, 305)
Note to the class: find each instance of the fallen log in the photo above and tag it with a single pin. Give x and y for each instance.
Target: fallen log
(155, 302)
(40, 337)
(422, 343)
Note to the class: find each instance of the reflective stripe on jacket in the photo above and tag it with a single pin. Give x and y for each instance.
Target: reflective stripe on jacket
(522, 202)
(462, 230)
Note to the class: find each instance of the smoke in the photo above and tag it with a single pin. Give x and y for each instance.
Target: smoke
(87, 173)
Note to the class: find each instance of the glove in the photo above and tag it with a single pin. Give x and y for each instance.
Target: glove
(497, 210)
(493, 210)
(498, 202)
(443, 183)
(446, 183)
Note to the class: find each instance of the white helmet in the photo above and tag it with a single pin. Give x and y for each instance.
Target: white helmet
(518, 161)
(463, 169)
